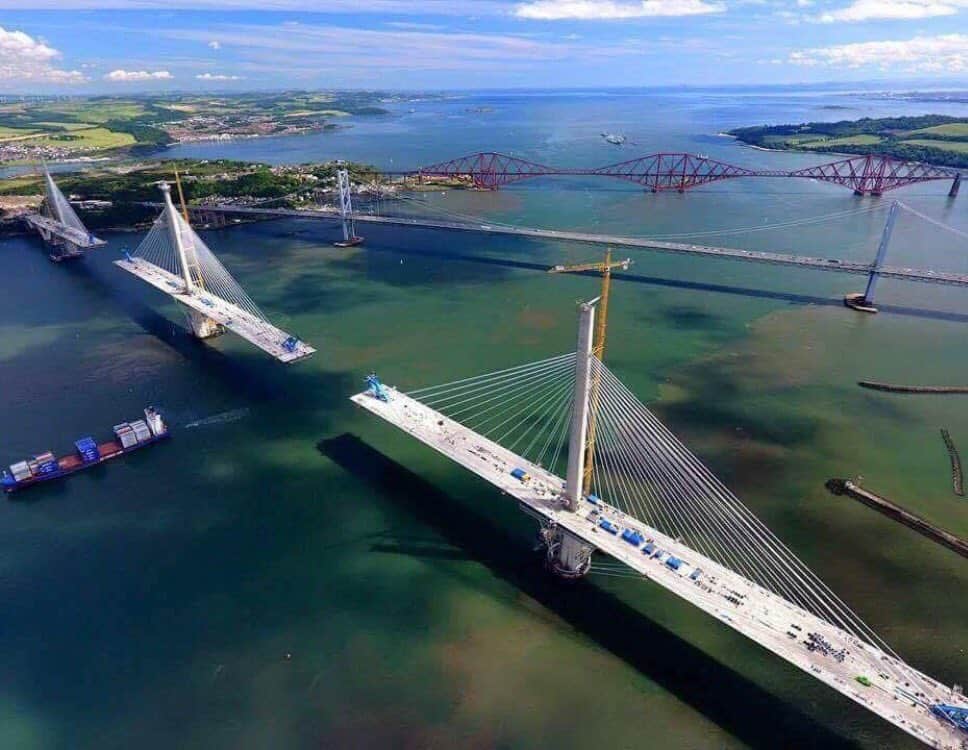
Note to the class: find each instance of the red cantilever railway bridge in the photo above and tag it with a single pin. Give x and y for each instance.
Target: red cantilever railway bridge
(865, 175)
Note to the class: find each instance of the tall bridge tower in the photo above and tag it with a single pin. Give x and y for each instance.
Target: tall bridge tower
(202, 326)
(59, 226)
(568, 555)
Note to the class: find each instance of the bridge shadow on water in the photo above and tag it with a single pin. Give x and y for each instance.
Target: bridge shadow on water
(727, 698)
(247, 374)
(800, 299)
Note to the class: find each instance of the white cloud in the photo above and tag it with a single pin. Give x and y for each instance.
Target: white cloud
(23, 58)
(307, 49)
(607, 10)
(214, 44)
(947, 53)
(217, 77)
(138, 75)
(871, 10)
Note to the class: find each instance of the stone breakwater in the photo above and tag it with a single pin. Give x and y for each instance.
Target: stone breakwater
(891, 388)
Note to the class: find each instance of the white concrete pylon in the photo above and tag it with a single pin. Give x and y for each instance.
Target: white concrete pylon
(582, 404)
(171, 218)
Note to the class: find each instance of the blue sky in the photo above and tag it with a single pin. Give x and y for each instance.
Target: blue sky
(151, 45)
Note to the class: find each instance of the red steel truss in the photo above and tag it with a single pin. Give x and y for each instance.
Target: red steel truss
(865, 175)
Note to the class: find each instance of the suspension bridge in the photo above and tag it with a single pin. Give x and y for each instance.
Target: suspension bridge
(600, 473)
(59, 226)
(174, 259)
(874, 270)
(872, 174)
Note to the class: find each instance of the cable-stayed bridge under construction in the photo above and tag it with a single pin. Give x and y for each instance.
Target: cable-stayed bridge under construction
(174, 259)
(601, 474)
(59, 226)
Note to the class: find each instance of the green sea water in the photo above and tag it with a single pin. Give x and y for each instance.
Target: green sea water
(289, 572)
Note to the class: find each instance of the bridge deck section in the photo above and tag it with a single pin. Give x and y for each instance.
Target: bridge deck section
(681, 248)
(255, 330)
(773, 622)
(79, 238)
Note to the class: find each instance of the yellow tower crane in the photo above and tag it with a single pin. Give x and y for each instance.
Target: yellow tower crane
(194, 269)
(598, 346)
(181, 197)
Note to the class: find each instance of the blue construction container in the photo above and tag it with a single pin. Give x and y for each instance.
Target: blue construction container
(520, 474)
(674, 563)
(957, 715)
(594, 499)
(695, 574)
(610, 527)
(632, 537)
(648, 549)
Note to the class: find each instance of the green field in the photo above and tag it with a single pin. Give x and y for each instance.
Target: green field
(933, 139)
(956, 129)
(91, 111)
(65, 125)
(852, 140)
(88, 139)
(958, 147)
(15, 134)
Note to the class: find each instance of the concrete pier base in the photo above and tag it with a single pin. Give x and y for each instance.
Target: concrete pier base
(857, 301)
(568, 557)
(203, 327)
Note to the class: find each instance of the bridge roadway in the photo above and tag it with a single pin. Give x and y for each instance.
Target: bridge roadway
(803, 261)
(77, 237)
(770, 620)
(255, 330)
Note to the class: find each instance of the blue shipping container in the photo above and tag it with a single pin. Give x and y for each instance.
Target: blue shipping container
(593, 499)
(674, 563)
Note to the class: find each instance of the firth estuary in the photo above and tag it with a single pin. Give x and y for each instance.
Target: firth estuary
(287, 571)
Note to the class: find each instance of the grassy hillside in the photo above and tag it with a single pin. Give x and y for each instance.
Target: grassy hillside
(935, 139)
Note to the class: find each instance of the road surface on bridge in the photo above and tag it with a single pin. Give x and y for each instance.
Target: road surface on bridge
(264, 335)
(756, 256)
(775, 623)
(65, 232)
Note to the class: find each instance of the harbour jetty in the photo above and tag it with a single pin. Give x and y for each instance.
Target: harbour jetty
(891, 388)
(957, 475)
(899, 514)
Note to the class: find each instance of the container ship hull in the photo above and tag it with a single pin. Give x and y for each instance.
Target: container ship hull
(129, 437)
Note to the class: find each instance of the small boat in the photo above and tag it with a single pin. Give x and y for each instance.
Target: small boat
(128, 437)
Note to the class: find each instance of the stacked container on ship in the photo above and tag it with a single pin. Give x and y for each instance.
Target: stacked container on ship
(129, 436)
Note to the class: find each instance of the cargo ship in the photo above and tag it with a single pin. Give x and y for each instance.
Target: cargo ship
(128, 437)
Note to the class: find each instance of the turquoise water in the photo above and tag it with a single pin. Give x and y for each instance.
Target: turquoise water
(287, 572)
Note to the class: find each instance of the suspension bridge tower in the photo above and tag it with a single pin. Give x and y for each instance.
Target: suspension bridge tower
(864, 302)
(350, 237)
